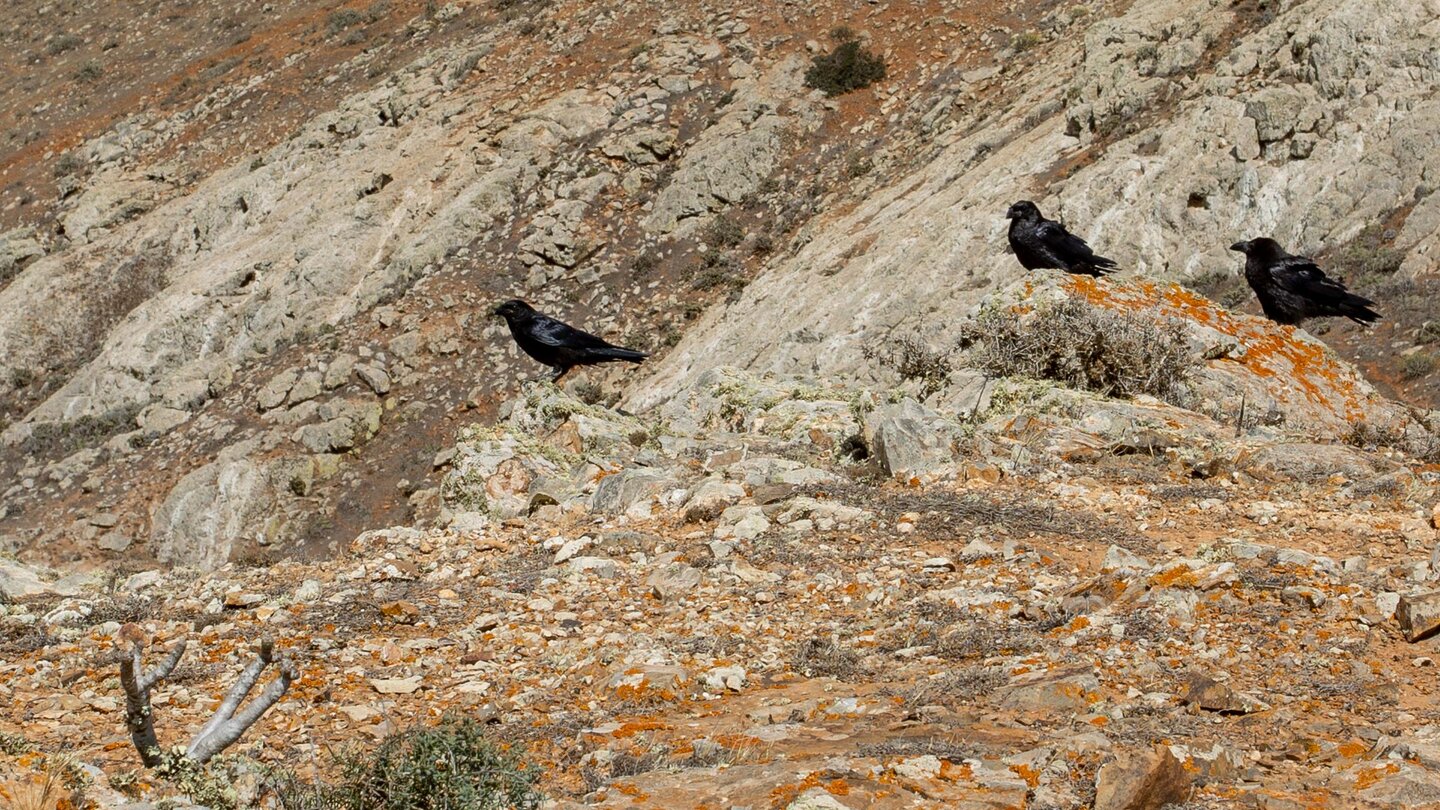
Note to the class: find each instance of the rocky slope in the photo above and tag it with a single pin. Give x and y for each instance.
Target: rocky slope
(810, 555)
(773, 593)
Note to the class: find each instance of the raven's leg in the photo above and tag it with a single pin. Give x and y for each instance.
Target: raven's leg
(559, 372)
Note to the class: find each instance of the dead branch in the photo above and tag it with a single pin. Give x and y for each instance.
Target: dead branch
(224, 728)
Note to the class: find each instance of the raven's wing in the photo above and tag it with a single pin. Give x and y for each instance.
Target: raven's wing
(1300, 276)
(545, 329)
(1068, 247)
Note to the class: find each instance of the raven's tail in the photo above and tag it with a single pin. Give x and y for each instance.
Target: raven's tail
(617, 353)
(1357, 309)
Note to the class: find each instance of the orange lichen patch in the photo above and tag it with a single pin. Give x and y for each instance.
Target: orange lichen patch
(630, 790)
(634, 727)
(1029, 774)
(1179, 577)
(1352, 749)
(1271, 351)
(1078, 623)
(1369, 776)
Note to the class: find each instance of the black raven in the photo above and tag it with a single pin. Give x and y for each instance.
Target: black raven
(1042, 243)
(558, 345)
(1291, 288)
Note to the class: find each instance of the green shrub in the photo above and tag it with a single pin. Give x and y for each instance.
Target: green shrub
(63, 43)
(1025, 40)
(1417, 365)
(1083, 346)
(848, 67)
(723, 232)
(340, 20)
(90, 71)
(452, 766)
(1367, 255)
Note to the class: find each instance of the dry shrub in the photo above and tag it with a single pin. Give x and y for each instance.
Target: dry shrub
(912, 360)
(1117, 354)
(824, 657)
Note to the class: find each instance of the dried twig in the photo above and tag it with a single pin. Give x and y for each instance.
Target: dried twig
(224, 728)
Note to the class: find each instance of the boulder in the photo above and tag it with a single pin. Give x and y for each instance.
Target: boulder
(1146, 780)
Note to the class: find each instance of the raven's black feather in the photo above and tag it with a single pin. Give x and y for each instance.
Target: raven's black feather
(1292, 288)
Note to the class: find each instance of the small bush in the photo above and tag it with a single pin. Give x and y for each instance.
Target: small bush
(90, 71)
(764, 244)
(1083, 346)
(910, 358)
(340, 20)
(60, 439)
(824, 657)
(723, 232)
(1025, 40)
(860, 165)
(68, 163)
(63, 43)
(1367, 255)
(1417, 365)
(848, 67)
(451, 766)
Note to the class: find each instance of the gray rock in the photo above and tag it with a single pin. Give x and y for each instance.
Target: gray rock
(114, 541)
(211, 511)
(306, 388)
(273, 393)
(909, 439)
(375, 377)
(673, 580)
(338, 372)
(1418, 615)
(18, 581)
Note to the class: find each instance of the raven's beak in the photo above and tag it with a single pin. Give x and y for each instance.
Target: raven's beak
(1010, 214)
(1239, 246)
(499, 310)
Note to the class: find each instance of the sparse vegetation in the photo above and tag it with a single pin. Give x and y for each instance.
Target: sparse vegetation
(1226, 289)
(68, 163)
(913, 360)
(1368, 256)
(848, 67)
(62, 43)
(342, 19)
(446, 767)
(1083, 346)
(819, 657)
(723, 232)
(60, 439)
(90, 71)
(1417, 365)
(1025, 40)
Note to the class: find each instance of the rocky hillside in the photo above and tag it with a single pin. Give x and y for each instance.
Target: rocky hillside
(872, 528)
(770, 592)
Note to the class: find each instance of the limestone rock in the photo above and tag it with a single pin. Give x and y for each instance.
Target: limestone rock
(1145, 780)
(1418, 615)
